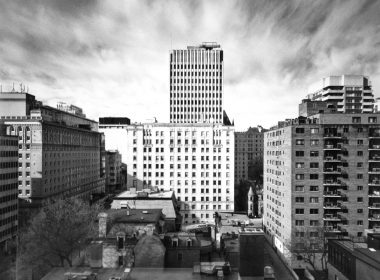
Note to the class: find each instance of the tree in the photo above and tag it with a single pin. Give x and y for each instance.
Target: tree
(310, 244)
(58, 231)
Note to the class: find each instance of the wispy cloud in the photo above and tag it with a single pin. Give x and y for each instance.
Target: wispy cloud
(112, 57)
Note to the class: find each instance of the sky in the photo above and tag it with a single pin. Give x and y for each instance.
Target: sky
(111, 57)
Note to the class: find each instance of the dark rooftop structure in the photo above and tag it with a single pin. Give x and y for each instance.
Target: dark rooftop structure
(115, 120)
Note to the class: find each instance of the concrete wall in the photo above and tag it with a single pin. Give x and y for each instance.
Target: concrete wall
(366, 272)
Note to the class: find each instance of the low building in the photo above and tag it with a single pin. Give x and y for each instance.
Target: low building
(351, 261)
(151, 199)
(128, 237)
(184, 249)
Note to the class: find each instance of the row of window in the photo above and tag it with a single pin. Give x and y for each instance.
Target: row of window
(8, 154)
(7, 176)
(186, 150)
(7, 187)
(191, 109)
(196, 87)
(8, 164)
(8, 142)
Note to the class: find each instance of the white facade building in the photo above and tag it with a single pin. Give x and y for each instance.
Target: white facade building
(347, 93)
(196, 84)
(196, 161)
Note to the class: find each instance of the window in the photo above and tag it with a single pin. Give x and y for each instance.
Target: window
(300, 176)
(359, 164)
(360, 199)
(313, 199)
(356, 119)
(372, 119)
(300, 222)
(313, 176)
(314, 223)
(300, 211)
(314, 188)
(314, 142)
(314, 153)
(300, 130)
(300, 199)
(300, 165)
(314, 211)
(300, 153)
(360, 222)
(314, 233)
(314, 130)
(314, 164)
(360, 188)
(360, 153)
(360, 142)
(300, 234)
(300, 188)
(359, 176)
(300, 142)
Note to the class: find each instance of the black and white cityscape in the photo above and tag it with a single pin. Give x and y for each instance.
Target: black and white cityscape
(147, 139)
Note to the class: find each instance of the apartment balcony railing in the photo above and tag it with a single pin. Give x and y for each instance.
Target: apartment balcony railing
(374, 158)
(332, 147)
(374, 217)
(331, 217)
(374, 193)
(331, 205)
(374, 147)
(374, 135)
(374, 182)
(374, 206)
(374, 170)
(331, 182)
(331, 193)
(332, 229)
(332, 158)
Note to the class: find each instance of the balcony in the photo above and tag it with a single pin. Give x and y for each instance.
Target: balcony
(332, 170)
(332, 229)
(331, 217)
(374, 182)
(332, 159)
(374, 147)
(374, 170)
(374, 206)
(331, 205)
(374, 217)
(331, 194)
(374, 194)
(374, 158)
(331, 182)
(374, 135)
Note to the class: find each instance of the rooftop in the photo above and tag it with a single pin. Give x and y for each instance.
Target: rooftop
(134, 215)
(145, 194)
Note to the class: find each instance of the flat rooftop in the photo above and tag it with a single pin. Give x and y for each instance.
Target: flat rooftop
(134, 215)
(145, 195)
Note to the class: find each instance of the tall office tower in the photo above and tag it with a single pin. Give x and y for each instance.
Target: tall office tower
(321, 172)
(196, 84)
(194, 160)
(60, 154)
(346, 93)
(249, 150)
(8, 187)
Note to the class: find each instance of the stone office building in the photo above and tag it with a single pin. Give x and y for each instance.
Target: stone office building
(8, 188)
(59, 153)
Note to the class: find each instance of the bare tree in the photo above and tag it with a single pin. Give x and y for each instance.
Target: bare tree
(57, 232)
(310, 244)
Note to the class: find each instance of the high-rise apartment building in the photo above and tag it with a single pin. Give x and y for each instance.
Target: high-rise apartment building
(8, 187)
(321, 172)
(346, 93)
(59, 153)
(249, 150)
(194, 160)
(196, 84)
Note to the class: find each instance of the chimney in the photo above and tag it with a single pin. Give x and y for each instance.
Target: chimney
(102, 224)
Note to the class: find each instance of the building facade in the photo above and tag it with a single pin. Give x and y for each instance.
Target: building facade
(249, 150)
(193, 160)
(346, 93)
(59, 154)
(322, 171)
(8, 187)
(196, 84)
(113, 171)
